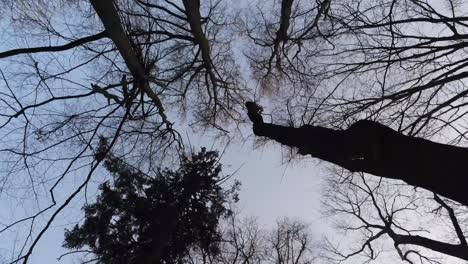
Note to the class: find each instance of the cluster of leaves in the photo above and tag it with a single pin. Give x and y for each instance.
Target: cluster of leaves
(137, 215)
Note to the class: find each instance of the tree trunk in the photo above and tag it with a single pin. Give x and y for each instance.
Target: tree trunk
(373, 148)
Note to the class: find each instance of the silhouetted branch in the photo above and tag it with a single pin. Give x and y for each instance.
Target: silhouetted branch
(70, 45)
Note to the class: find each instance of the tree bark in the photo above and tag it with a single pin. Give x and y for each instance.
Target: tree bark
(373, 148)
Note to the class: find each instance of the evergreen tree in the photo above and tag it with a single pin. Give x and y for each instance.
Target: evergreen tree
(140, 219)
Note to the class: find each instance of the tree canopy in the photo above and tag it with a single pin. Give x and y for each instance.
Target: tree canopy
(137, 74)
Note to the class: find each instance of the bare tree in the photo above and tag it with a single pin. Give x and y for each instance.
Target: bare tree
(245, 242)
(291, 243)
(281, 36)
(401, 63)
(383, 75)
(422, 227)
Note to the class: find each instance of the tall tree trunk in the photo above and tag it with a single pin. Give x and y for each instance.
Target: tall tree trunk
(370, 147)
